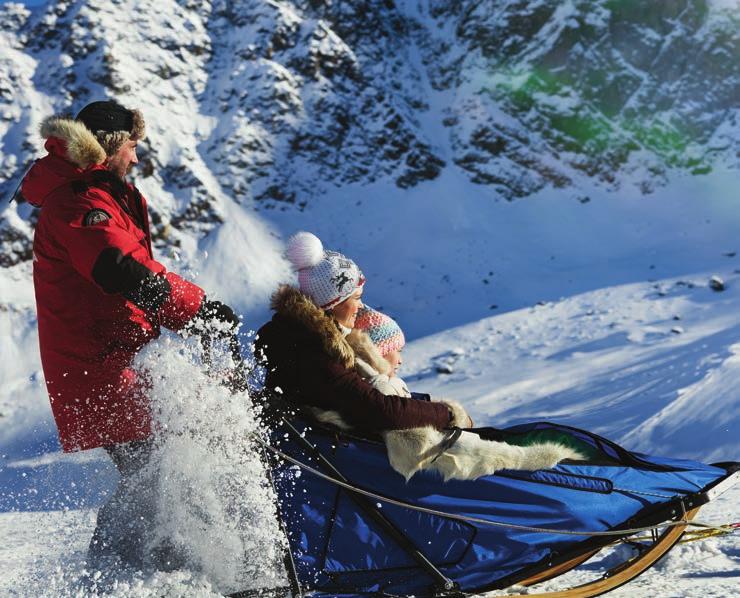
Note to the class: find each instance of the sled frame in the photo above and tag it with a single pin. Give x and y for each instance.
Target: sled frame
(443, 585)
(613, 578)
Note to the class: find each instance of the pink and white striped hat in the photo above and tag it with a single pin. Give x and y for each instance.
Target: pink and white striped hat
(384, 331)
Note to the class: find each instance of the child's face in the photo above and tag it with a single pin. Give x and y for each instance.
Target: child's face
(394, 358)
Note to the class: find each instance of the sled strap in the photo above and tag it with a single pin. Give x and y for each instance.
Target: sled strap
(449, 441)
(342, 482)
(445, 584)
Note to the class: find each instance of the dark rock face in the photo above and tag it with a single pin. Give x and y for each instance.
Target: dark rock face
(549, 91)
(716, 284)
(276, 102)
(315, 93)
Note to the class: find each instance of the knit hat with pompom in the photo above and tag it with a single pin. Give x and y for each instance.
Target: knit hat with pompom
(384, 331)
(327, 277)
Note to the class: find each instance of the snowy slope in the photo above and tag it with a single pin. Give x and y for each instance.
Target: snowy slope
(651, 365)
(614, 360)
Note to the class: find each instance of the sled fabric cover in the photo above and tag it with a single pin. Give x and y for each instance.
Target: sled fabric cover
(339, 549)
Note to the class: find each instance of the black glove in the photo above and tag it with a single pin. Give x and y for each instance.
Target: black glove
(215, 320)
(210, 311)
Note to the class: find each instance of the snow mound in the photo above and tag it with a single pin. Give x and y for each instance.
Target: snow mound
(704, 410)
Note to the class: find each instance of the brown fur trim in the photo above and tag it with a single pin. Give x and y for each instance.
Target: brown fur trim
(82, 147)
(366, 350)
(289, 301)
(139, 129)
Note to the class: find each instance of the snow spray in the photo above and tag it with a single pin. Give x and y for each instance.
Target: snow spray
(215, 503)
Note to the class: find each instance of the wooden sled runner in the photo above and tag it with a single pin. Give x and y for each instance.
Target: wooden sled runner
(616, 576)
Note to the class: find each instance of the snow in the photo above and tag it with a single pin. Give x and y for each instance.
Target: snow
(589, 342)
(246, 256)
(216, 503)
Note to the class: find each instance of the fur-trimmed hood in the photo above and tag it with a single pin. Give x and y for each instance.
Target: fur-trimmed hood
(80, 145)
(308, 359)
(289, 302)
(73, 150)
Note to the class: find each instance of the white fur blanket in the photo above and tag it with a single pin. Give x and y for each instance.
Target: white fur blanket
(469, 458)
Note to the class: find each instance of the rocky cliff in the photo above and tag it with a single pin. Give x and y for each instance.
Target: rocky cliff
(268, 103)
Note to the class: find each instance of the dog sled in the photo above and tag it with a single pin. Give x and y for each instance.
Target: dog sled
(355, 527)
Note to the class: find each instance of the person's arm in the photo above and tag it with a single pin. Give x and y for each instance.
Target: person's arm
(103, 251)
(364, 407)
(394, 385)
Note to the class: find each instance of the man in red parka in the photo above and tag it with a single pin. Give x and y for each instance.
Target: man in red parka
(100, 297)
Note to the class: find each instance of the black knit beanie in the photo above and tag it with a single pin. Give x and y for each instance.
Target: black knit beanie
(106, 116)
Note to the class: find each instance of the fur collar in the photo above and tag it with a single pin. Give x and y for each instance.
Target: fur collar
(367, 351)
(291, 303)
(82, 148)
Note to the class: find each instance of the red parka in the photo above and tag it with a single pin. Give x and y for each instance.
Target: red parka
(100, 295)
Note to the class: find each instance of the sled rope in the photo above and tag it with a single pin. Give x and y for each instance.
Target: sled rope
(695, 536)
(469, 519)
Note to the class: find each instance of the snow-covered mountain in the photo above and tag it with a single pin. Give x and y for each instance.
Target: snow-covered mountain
(546, 92)
(278, 101)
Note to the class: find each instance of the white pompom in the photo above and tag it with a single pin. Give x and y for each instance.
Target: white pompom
(304, 250)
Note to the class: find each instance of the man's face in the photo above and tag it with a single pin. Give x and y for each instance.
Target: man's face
(123, 160)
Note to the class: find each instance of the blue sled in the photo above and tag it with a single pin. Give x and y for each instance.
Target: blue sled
(340, 548)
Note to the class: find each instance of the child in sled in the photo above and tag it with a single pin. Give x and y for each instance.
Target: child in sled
(378, 341)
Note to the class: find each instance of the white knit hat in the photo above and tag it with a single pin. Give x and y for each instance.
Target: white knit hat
(327, 277)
